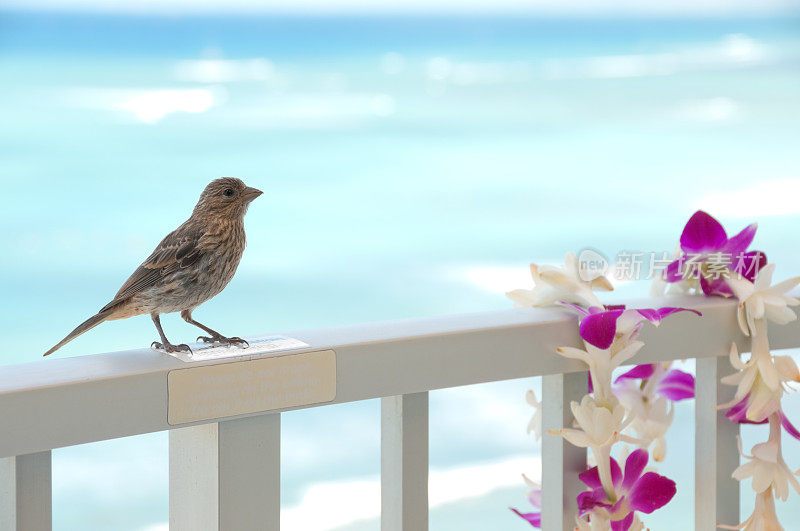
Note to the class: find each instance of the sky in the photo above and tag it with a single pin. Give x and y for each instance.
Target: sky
(533, 7)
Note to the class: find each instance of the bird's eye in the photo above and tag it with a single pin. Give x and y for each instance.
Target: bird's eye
(228, 192)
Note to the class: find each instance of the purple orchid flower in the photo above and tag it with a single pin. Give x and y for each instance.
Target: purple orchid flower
(533, 518)
(633, 491)
(676, 385)
(704, 237)
(738, 413)
(599, 326)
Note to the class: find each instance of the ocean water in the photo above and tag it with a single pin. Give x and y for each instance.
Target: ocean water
(411, 167)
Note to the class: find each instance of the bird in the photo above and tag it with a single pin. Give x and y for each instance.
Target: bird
(191, 265)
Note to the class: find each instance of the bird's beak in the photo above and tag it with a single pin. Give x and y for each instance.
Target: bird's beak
(251, 193)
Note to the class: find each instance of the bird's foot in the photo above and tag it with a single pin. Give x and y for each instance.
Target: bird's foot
(169, 347)
(227, 341)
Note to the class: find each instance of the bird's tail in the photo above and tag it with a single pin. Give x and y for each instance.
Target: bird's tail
(85, 326)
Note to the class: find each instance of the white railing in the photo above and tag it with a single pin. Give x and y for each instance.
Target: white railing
(225, 470)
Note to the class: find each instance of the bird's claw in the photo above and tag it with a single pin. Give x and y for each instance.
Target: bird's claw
(238, 341)
(169, 347)
(228, 341)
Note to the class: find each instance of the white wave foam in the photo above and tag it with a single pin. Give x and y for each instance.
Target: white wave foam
(148, 105)
(441, 69)
(733, 51)
(494, 278)
(719, 109)
(312, 111)
(224, 70)
(329, 505)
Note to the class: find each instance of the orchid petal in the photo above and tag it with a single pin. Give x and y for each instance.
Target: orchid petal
(677, 385)
(535, 272)
(591, 478)
(786, 366)
(579, 309)
(601, 283)
(738, 413)
(782, 315)
(716, 286)
(590, 499)
(764, 278)
(634, 466)
(616, 472)
(627, 353)
(741, 318)
(535, 497)
(650, 314)
(535, 519)
(739, 243)
(651, 492)
(638, 372)
(630, 320)
(576, 354)
(576, 437)
(622, 525)
(789, 427)
(522, 297)
(599, 329)
(674, 272)
(553, 276)
(669, 310)
(751, 264)
(703, 233)
(786, 285)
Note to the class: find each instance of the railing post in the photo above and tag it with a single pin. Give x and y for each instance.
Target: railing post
(561, 461)
(404, 462)
(226, 475)
(26, 494)
(715, 452)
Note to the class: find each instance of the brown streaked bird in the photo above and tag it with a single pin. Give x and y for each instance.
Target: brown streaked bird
(191, 265)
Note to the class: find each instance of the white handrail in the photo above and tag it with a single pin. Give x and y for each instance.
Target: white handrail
(61, 402)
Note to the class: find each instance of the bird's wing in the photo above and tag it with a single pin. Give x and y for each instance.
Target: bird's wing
(178, 250)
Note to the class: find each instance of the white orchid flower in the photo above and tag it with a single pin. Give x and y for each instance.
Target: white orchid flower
(764, 517)
(553, 284)
(768, 469)
(598, 425)
(660, 286)
(597, 523)
(601, 365)
(535, 424)
(652, 426)
(759, 300)
(760, 381)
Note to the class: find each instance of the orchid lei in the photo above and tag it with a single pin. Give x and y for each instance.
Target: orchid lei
(762, 380)
(612, 410)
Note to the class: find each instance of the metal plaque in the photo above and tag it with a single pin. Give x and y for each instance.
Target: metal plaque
(242, 387)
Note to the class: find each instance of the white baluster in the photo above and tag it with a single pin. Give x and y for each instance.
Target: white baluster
(26, 494)
(561, 461)
(226, 476)
(715, 452)
(404, 462)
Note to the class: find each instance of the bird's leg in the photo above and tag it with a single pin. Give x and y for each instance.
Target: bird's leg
(216, 337)
(166, 345)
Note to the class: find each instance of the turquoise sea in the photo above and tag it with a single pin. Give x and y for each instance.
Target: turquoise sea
(411, 167)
